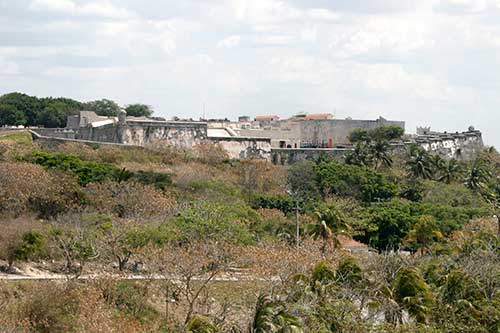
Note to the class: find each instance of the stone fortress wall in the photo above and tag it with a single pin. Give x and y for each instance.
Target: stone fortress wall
(145, 132)
(282, 142)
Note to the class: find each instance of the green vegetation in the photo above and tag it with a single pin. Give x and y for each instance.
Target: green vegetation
(20, 109)
(195, 222)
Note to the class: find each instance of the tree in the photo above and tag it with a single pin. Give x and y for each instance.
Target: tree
(330, 222)
(30, 106)
(387, 133)
(449, 171)
(272, 316)
(379, 151)
(54, 115)
(201, 324)
(11, 116)
(123, 239)
(75, 239)
(424, 232)
(103, 107)
(350, 180)
(382, 133)
(139, 110)
(477, 176)
(188, 270)
(359, 135)
(360, 155)
(418, 163)
(413, 294)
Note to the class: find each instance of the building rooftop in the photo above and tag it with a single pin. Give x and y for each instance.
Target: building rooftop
(267, 117)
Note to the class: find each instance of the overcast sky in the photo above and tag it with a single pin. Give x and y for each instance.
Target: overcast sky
(428, 62)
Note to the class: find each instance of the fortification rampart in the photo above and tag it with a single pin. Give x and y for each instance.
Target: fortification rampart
(460, 146)
(286, 156)
(245, 147)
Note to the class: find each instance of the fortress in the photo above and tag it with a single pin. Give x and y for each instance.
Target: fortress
(265, 137)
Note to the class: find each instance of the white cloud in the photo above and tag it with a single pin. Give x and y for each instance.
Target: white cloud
(229, 41)
(57, 5)
(420, 61)
(100, 8)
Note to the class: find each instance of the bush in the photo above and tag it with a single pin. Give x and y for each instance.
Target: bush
(20, 240)
(130, 199)
(131, 297)
(94, 172)
(284, 203)
(25, 187)
(86, 172)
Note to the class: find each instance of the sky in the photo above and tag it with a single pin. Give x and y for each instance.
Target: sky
(429, 62)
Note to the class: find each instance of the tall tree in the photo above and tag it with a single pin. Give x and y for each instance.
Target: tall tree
(419, 164)
(11, 116)
(54, 115)
(139, 110)
(379, 151)
(103, 107)
(450, 171)
(30, 106)
(477, 176)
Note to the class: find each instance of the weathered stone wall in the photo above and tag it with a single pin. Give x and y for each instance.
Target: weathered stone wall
(290, 156)
(461, 146)
(319, 133)
(288, 137)
(244, 147)
(177, 134)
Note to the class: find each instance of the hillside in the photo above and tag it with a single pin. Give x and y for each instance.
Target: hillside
(171, 240)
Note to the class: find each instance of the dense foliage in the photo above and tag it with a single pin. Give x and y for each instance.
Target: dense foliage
(20, 109)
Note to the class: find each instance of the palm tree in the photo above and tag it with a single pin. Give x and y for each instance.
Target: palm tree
(271, 317)
(379, 151)
(437, 164)
(424, 232)
(419, 164)
(413, 294)
(330, 222)
(477, 176)
(449, 171)
(360, 155)
(201, 324)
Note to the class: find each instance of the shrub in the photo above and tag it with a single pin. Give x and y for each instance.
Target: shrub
(131, 297)
(130, 199)
(210, 153)
(25, 187)
(284, 203)
(20, 240)
(86, 172)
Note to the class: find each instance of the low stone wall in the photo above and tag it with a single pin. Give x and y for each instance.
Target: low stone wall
(55, 132)
(286, 156)
(245, 147)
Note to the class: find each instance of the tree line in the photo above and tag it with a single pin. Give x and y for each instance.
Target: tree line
(19, 109)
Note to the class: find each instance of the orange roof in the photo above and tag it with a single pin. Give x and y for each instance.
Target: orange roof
(318, 116)
(267, 117)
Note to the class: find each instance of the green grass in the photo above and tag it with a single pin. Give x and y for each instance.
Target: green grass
(20, 137)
